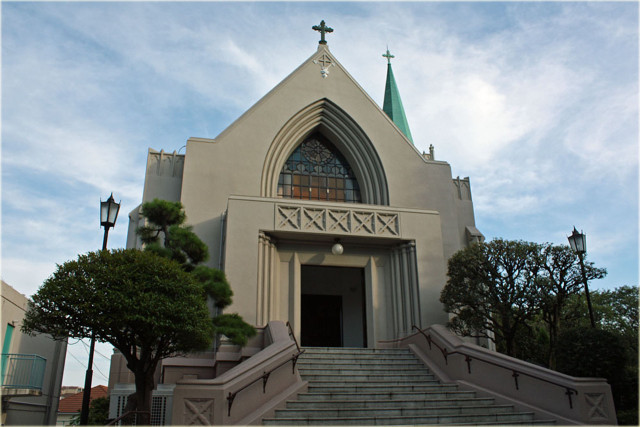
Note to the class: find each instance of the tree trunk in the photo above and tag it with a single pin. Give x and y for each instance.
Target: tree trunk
(144, 387)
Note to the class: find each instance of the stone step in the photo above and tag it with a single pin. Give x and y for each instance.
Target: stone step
(321, 413)
(355, 386)
(435, 394)
(356, 350)
(357, 368)
(367, 388)
(365, 360)
(509, 418)
(360, 364)
(376, 378)
(370, 353)
(399, 402)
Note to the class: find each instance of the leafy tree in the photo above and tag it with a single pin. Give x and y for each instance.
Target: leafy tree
(146, 306)
(493, 290)
(560, 268)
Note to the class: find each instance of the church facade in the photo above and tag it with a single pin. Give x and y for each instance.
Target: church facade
(317, 165)
(323, 214)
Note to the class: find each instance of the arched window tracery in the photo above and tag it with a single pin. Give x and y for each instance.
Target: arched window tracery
(316, 170)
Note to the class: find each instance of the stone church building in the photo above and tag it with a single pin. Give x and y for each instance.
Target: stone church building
(322, 213)
(316, 160)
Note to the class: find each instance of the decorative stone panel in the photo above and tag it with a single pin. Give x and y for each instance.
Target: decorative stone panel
(357, 221)
(198, 412)
(595, 403)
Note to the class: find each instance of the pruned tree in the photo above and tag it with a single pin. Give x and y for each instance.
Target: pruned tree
(145, 305)
(493, 290)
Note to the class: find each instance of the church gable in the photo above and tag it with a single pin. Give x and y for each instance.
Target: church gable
(321, 91)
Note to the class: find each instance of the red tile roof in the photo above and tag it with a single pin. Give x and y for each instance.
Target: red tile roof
(73, 403)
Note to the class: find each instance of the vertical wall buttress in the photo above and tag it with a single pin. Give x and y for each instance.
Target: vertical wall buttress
(267, 293)
(405, 289)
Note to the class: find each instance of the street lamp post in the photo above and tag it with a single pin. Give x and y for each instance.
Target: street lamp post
(108, 214)
(578, 242)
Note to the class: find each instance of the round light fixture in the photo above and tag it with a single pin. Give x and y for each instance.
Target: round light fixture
(337, 248)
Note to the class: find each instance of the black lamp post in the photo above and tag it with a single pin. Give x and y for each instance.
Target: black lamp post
(578, 242)
(108, 215)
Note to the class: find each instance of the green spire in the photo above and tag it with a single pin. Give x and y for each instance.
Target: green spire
(392, 102)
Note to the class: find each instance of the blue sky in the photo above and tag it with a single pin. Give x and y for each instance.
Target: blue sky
(536, 102)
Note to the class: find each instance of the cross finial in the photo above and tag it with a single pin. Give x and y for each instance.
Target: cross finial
(323, 29)
(388, 56)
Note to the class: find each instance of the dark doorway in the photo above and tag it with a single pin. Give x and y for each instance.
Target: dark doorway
(321, 321)
(332, 307)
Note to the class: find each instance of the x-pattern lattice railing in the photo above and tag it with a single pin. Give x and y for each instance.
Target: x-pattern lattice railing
(348, 221)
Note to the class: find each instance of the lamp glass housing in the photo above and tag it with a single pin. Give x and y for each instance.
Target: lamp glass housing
(578, 242)
(109, 212)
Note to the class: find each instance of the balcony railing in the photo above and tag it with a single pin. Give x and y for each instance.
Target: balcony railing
(23, 371)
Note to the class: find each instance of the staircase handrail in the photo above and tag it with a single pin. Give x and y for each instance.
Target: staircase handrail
(265, 375)
(292, 335)
(515, 373)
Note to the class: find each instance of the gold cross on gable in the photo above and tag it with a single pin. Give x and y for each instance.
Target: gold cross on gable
(388, 56)
(323, 29)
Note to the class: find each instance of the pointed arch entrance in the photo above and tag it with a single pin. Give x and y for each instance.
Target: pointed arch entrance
(329, 120)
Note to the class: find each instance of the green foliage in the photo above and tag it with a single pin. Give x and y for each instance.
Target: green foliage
(493, 290)
(215, 285)
(186, 246)
(162, 214)
(98, 413)
(181, 244)
(128, 298)
(615, 311)
(531, 297)
(146, 306)
(166, 219)
(233, 327)
(532, 343)
(561, 277)
(590, 352)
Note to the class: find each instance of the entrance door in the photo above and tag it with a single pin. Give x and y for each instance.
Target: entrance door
(321, 321)
(332, 307)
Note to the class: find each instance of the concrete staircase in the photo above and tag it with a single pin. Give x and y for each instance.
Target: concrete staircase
(357, 386)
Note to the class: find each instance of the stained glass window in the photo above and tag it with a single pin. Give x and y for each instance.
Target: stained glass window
(316, 170)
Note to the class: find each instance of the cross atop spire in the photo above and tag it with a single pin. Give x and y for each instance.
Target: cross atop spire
(322, 28)
(388, 56)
